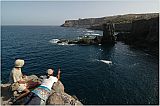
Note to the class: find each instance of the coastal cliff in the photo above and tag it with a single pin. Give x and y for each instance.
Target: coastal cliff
(122, 23)
(139, 30)
(145, 34)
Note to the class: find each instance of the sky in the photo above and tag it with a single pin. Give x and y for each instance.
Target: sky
(56, 12)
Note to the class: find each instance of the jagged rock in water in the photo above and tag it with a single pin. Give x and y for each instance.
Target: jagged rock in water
(108, 34)
(98, 39)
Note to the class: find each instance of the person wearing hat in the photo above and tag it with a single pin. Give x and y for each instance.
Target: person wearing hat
(16, 79)
(39, 95)
(16, 75)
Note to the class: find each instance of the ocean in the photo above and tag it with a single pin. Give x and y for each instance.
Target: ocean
(131, 78)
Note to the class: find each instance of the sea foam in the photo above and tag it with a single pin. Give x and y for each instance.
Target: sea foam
(105, 61)
(54, 40)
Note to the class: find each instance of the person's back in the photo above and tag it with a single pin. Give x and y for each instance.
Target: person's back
(49, 82)
(44, 89)
(15, 75)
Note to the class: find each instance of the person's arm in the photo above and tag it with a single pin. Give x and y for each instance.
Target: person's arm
(24, 76)
(24, 93)
(21, 82)
(14, 78)
(58, 75)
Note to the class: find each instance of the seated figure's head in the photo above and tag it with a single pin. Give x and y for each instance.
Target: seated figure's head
(19, 63)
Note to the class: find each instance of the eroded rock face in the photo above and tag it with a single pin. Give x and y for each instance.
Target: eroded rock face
(145, 34)
(108, 34)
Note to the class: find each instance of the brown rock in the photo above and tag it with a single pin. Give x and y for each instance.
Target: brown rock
(55, 99)
(62, 99)
(58, 87)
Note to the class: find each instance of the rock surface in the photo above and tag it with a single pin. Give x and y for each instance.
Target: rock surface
(57, 97)
(108, 34)
(144, 34)
(62, 99)
(122, 22)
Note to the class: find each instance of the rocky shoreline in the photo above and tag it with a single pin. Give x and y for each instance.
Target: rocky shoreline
(139, 30)
(58, 96)
(107, 38)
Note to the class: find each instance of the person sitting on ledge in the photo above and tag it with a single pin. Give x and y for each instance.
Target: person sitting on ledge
(39, 95)
(19, 82)
(16, 77)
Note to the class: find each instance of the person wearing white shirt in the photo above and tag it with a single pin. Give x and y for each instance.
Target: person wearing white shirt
(39, 95)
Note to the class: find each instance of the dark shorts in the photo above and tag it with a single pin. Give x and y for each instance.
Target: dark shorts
(32, 99)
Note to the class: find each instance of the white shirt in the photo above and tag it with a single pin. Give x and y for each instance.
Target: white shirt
(49, 82)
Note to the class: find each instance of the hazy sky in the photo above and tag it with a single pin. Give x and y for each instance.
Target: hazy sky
(55, 13)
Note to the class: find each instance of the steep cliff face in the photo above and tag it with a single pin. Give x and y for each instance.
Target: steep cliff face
(85, 23)
(122, 22)
(144, 34)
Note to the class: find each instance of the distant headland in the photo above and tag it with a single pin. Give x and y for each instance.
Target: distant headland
(122, 22)
(140, 30)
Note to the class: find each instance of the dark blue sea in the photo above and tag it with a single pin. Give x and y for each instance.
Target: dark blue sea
(132, 78)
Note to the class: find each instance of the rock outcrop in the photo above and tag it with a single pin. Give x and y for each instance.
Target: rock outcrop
(122, 22)
(107, 38)
(144, 34)
(58, 96)
(108, 34)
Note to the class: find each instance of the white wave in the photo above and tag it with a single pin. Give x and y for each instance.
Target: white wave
(95, 34)
(64, 43)
(54, 40)
(100, 49)
(106, 61)
(90, 31)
